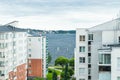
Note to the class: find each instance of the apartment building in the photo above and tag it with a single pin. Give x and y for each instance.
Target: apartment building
(97, 52)
(37, 56)
(13, 53)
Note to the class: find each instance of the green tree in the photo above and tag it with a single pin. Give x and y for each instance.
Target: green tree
(71, 62)
(66, 72)
(61, 61)
(49, 57)
(71, 71)
(54, 76)
(49, 76)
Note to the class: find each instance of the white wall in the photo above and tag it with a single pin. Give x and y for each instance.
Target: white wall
(13, 59)
(109, 37)
(114, 69)
(96, 44)
(35, 45)
(78, 54)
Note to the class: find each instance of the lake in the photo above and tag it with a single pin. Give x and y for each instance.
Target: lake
(61, 45)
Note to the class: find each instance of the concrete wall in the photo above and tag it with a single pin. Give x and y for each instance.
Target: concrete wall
(96, 44)
(115, 71)
(78, 54)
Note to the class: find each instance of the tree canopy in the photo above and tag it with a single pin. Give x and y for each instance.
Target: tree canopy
(49, 57)
(61, 61)
(71, 62)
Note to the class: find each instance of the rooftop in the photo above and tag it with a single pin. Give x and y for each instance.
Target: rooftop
(110, 25)
(9, 28)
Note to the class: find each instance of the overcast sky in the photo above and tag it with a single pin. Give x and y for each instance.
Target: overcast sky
(58, 14)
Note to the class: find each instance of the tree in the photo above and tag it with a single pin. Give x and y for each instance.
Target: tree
(61, 61)
(65, 75)
(71, 62)
(71, 71)
(49, 76)
(54, 76)
(66, 71)
(49, 57)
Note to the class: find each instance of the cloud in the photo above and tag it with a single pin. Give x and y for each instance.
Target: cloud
(58, 14)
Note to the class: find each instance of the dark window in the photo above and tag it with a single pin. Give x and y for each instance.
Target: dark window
(29, 55)
(104, 68)
(82, 59)
(89, 42)
(89, 77)
(89, 54)
(119, 39)
(89, 65)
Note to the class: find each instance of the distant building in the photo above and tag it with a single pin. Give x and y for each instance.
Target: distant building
(21, 55)
(13, 53)
(97, 52)
(37, 56)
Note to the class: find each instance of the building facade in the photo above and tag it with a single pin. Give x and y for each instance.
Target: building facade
(37, 56)
(13, 53)
(97, 52)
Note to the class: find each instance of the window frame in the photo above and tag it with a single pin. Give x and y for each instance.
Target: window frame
(81, 59)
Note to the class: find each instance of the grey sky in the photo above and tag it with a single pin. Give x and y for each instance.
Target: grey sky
(58, 14)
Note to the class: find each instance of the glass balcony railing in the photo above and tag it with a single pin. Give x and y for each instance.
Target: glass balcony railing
(104, 59)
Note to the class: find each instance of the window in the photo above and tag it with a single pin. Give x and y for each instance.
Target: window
(119, 39)
(90, 36)
(29, 39)
(89, 42)
(118, 78)
(81, 71)
(29, 44)
(14, 43)
(89, 59)
(29, 71)
(89, 54)
(29, 55)
(89, 65)
(89, 48)
(89, 71)
(29, 66)
(29, 50)
(82, 59)
(104, 59)
(82, 49)
(118, 62)
(89, 77)
(29, 61)
(2, 55)
(82, 38)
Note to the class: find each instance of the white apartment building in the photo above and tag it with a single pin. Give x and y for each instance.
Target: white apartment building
(97, 52)
(37, 56)
(13, 53)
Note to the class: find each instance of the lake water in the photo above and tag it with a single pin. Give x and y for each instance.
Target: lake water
(61, 45)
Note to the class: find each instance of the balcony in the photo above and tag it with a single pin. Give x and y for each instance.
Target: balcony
(104, 68)
(104, 60)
